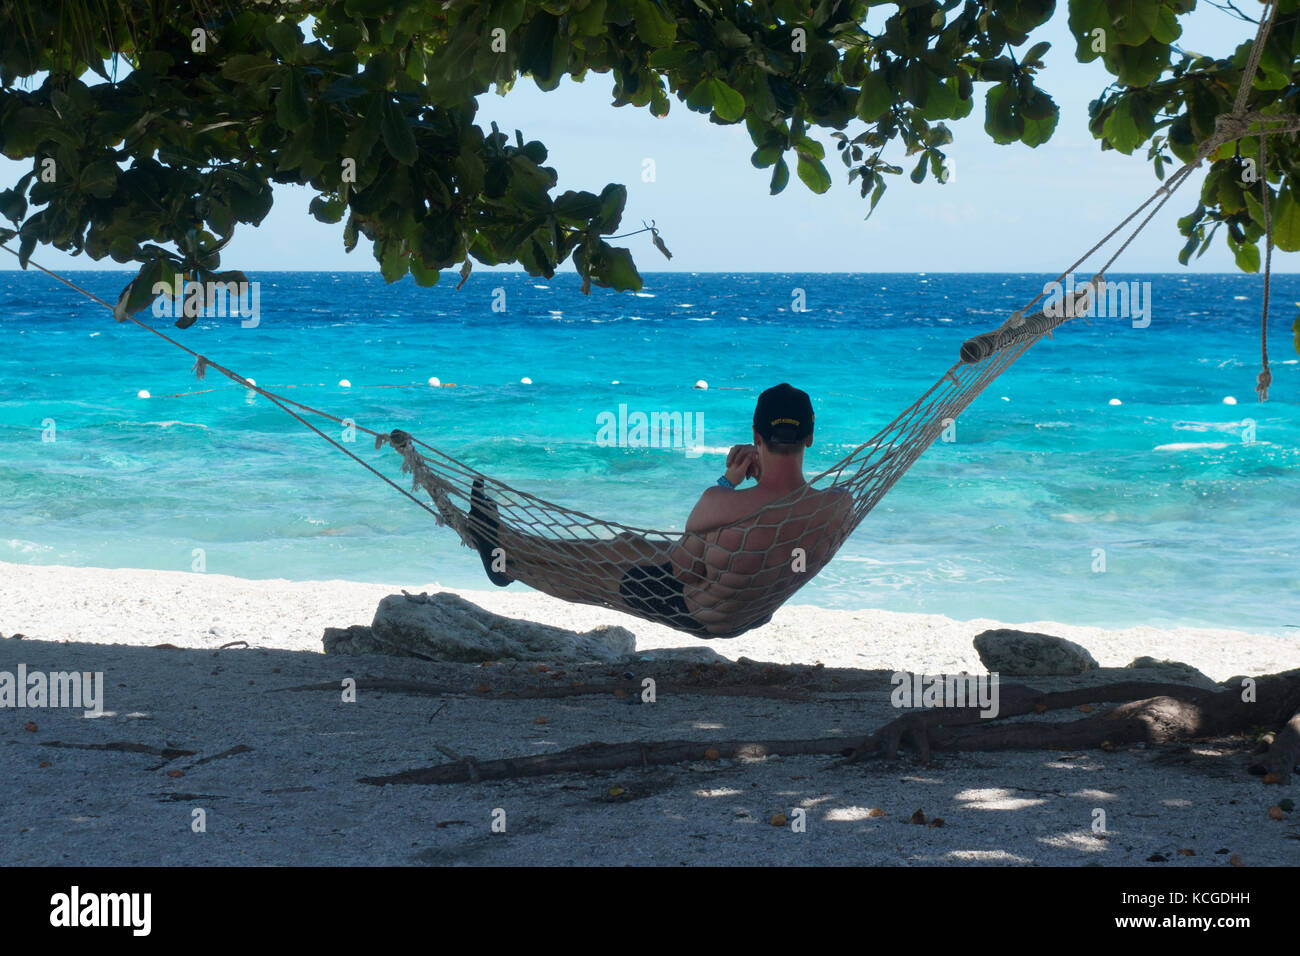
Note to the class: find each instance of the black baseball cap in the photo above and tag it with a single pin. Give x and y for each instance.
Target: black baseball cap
(783, 415)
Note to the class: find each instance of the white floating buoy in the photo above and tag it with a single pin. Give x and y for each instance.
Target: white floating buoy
(1115, 401)
(701, 384)
(615, 382)
(143, 393)
(525, 381)
(344, 383)
(1005, 399)
(435, 382)
(251, 381)
(1229, 400)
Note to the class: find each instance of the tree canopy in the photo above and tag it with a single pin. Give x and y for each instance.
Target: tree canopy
(158, 128)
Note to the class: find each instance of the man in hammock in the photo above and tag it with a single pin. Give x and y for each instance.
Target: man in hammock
(743, 552)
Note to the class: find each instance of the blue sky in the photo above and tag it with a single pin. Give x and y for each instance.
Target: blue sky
(1008, 208)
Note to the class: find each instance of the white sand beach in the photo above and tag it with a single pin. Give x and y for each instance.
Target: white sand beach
(293, 795)
(143, 608)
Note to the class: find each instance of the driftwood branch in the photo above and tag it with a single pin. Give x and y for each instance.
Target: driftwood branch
(425, 689)
(1162, 713)
(601, 756)
(1284, 752)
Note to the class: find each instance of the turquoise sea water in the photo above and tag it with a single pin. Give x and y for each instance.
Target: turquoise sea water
(1196, 522)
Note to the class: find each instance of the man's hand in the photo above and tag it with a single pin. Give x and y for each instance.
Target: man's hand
(742, 463)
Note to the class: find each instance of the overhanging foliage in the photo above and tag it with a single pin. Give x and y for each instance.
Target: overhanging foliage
(194, 111)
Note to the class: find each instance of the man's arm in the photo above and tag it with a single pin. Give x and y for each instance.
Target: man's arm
(710, 511)
(717, 506)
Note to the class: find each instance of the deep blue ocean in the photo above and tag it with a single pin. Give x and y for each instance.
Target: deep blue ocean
(1191, 503)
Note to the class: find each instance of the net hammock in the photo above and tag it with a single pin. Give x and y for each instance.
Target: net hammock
(725, 581)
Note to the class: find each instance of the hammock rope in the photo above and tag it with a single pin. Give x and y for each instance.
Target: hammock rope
(725, 581)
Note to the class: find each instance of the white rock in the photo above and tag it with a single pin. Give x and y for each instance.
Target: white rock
(446, 627)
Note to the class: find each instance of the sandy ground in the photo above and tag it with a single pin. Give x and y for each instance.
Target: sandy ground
(292, 793)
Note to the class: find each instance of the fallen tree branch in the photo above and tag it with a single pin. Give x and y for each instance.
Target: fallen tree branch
(1173, 713)
(924, 727)
(167, 754)
(424, 689)
(601, 756)
(1284, 751)
(238, 749)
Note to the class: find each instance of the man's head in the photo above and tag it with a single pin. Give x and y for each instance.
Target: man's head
(783, 420)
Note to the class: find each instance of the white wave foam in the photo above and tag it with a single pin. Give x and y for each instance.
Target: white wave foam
(27, 547)
(1190, 445)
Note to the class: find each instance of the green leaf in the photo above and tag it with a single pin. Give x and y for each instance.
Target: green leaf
(1286, 221)
(1121, 128)
(1255, 207)
(780, 176)
(1039, 129)
(612, 200)
(397, 134)
(285, 38)
(100, 179)
(1139, 66)
(350, 234)
(700, 98)
(618, 271)
(423, 275)
(655, 26)
(1134, 20)
(875, 97)
(727, 102)
(1247, 256)
(291, 108)
(941, 98)
(248, 68)
(1166, 28)
(139, 293)
(590, 20)
(1229, 196)
(1035, 53)
(918, 172)
(814, 175)
(577, 208)
(326, 210)
(13, 204)
(1000, 122)
(876, 194)
(393, 260)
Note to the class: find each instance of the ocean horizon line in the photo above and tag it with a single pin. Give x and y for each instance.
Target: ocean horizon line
(497, 270)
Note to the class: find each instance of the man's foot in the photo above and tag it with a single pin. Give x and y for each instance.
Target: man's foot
(483, 529)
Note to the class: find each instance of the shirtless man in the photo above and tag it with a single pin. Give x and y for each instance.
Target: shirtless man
(742, 554)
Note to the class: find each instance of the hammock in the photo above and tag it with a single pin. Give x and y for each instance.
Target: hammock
(725, 581)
